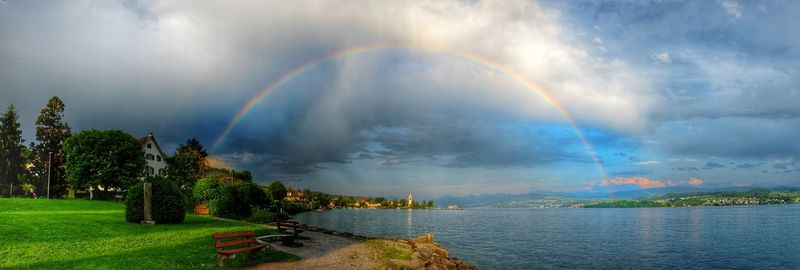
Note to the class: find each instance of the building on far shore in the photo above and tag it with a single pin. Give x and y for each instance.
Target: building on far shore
(293, 195)
(156, 160)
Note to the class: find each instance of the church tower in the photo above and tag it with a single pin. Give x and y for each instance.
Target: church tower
(410, 199)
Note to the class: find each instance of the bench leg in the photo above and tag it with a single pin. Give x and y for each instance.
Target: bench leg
(220, 260)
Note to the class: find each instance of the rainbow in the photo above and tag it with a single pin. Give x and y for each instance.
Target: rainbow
(353, 51)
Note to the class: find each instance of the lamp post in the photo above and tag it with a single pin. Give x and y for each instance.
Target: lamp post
(49, 164)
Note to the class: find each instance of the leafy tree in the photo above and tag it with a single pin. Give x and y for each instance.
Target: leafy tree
(188, 164)
(245, 176)
(51, 132)
(11, 148)
(277, 191)
(430, 204)
(108, 158)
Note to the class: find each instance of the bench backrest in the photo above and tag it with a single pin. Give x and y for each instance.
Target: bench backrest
(221, 243)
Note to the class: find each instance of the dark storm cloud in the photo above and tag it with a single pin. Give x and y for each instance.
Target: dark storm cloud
(732, 137)
(714, 165)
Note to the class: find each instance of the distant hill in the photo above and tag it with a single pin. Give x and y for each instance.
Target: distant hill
(507, 200)
(538, 199)
(637, 194)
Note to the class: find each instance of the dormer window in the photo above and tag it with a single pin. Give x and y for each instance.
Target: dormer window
(149, 145)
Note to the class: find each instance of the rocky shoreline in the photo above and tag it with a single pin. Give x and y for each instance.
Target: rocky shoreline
(426, 253)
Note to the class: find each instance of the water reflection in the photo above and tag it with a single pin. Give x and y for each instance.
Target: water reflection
(409, 222)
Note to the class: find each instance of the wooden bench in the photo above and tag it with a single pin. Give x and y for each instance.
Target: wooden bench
(244, 242)
(285, 225)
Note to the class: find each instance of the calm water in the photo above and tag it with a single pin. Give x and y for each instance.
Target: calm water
(755, 237)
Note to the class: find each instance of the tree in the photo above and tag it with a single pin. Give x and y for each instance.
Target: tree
(277, 191)
(245, 176)
(12, 163)
(107, 158)
(430, 204)
(51, 132)
(188, 164)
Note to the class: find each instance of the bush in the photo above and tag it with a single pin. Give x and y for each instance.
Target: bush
(205, 189)
(223, 202)
(167, 205)
(252, 195)
(261, 215)
(229, 201)
(295, 207)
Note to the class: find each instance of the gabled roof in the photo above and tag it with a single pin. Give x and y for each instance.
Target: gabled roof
(150, 137)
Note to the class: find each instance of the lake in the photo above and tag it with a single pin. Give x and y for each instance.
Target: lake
(742, 237)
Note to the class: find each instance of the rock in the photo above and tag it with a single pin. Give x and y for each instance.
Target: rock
(428, 255)
(413, 264)
(424, 252)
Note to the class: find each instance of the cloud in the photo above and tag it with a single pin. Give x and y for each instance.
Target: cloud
(682, 160)
(646, 183)
(732, 8)
(642, 182)
(647, 163)
(695, 181)
(714, 165)
(661, 57)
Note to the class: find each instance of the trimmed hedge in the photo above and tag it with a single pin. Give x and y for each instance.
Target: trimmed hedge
(168, 205)
(229, 201)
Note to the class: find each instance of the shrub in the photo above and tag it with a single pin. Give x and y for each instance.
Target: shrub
(295, 207)
(167, 205)
(222, 202)
(261, 215)
(205, 189)
(252, 195)
(229, 201)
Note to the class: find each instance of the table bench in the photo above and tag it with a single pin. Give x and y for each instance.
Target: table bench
(286, 225)
(230, 244)
(291, 226)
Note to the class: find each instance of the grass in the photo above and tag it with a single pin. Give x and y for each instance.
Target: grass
(386, 250)
(81, 234)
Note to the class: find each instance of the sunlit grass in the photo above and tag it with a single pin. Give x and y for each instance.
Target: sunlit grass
(80, 234)
(386, 250)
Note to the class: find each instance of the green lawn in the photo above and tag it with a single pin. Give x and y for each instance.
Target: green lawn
(81, 234)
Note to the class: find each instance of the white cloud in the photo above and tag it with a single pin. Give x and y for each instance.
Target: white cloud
(661, 57)
(647, 163)
(732, 8)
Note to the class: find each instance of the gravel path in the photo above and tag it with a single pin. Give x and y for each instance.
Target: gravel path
(324, 251)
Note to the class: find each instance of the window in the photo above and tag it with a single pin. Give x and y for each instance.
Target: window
(149, 156)
(149, 145)
(150, 170)
(158, 157)
(161, 172)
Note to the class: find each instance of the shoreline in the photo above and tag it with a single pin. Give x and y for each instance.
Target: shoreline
(330, 249)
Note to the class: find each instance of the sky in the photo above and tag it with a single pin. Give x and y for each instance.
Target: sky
(440, 98)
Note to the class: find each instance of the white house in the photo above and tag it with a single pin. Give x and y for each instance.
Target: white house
(156, 160)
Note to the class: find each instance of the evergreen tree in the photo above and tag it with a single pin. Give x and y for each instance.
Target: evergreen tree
(11, 162)
(51, 132)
